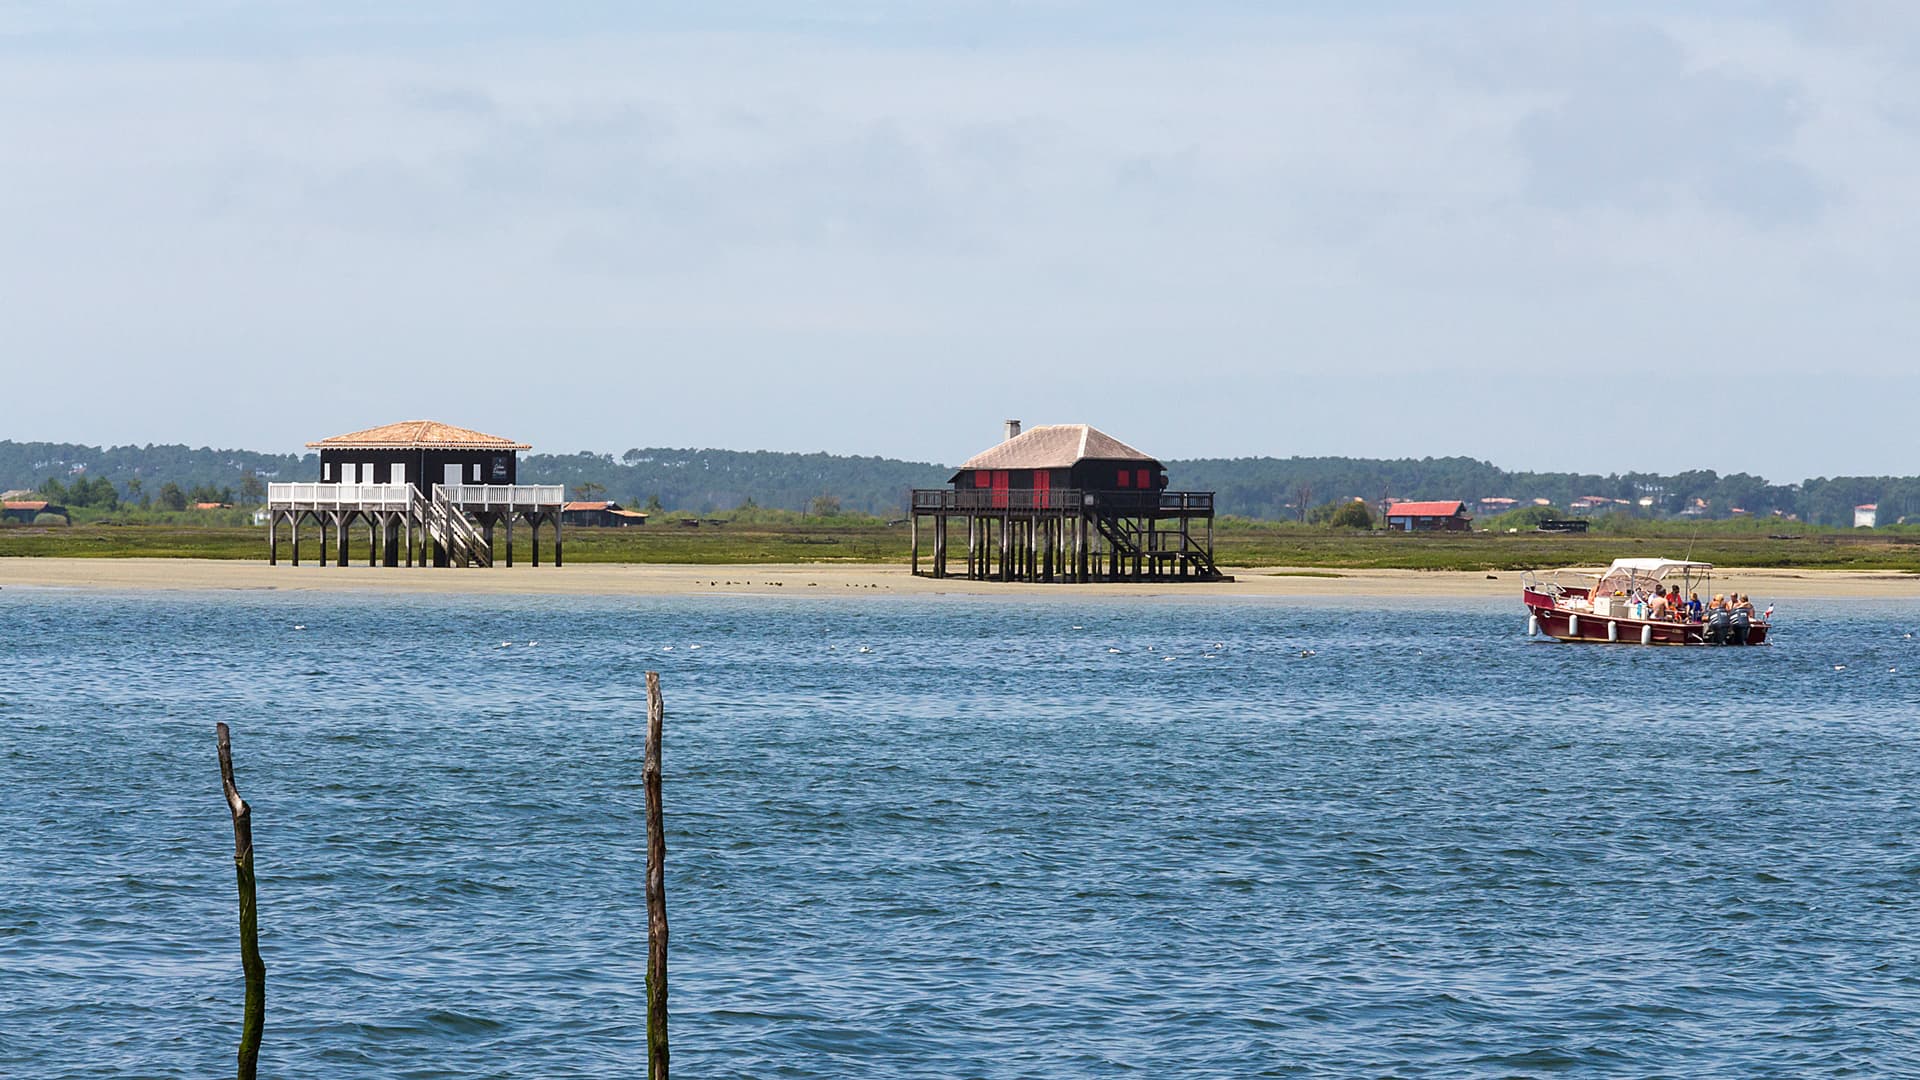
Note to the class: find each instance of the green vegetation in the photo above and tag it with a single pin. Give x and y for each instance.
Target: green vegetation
(1351, 514)
(761, 535)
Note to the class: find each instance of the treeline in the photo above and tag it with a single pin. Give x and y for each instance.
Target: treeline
(714, 480)
(1281, 487)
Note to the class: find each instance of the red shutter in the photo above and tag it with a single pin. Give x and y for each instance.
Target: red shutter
(1042, 487)
(1126, 478)
(1000, 487)
(1144, 483)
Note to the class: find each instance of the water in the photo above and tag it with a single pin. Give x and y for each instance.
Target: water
(990, 847)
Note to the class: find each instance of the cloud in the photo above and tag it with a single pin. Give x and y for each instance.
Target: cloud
(1638, 124)
(962, 206)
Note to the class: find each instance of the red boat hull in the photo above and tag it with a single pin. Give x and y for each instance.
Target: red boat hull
(1585, 626)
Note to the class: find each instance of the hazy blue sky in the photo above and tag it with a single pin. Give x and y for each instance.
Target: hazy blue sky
(1579, 236)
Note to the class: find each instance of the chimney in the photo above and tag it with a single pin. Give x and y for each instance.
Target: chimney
(1013, 428)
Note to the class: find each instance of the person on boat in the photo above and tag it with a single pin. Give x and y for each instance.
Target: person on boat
(1676, 607)
(1719, 622)
(1740, 621)
(1695, 608)
(1657, 607)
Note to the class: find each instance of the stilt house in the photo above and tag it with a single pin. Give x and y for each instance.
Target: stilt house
(1067, 502)
(419, 487)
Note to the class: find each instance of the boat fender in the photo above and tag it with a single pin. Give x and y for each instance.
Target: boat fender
(1613, 630)
(1533, 626)
(1646, 635)
(1573, 626)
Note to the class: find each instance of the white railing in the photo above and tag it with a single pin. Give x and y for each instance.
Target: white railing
(502, 495)
(335, 496)
(449, 525)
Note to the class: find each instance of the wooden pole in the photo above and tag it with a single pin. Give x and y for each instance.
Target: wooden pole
(656, 889)
(253, 1012)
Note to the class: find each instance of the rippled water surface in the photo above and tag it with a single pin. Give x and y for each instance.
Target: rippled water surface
(1064, 838)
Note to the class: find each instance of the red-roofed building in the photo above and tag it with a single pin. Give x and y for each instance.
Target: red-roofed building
(1450, 516)
(25, 510)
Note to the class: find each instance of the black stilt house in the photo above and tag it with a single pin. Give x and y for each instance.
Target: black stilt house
(418, 452)
(423, 491)
(1068, 502)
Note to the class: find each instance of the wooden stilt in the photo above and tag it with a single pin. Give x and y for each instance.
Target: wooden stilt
(656, 886)
(253, 1010)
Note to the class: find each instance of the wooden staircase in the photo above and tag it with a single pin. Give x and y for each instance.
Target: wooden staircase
(456, 534)
(1156, 552)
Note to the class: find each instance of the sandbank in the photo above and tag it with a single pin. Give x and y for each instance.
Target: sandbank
(838, 579)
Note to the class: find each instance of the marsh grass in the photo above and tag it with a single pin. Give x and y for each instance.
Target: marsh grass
(1244, 544)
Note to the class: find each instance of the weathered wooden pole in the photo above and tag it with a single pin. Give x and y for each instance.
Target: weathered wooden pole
(254, 1011)
(656, 889)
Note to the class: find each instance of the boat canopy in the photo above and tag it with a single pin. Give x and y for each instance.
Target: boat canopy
(1625, 574)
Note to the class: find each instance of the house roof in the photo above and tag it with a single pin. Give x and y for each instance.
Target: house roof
(595, 504)
(1425, 509)
(1055, 446)
(26, 504)
(417, 434)
(1868, 506)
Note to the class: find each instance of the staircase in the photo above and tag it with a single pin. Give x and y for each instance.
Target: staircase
(450, 527)
(1160, 558)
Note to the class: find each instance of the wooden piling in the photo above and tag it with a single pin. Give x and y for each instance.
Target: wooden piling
(254, 1010)
(656, 888)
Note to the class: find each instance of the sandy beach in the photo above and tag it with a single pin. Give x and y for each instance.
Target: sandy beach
(829, 579)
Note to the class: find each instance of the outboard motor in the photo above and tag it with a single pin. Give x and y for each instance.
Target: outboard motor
(1740, 624)
(1717, 625)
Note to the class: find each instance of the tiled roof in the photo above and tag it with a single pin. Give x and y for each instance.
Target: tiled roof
(27, 504)
(1055, 446)
(601, 504)
(417, 434)
(1424, 509)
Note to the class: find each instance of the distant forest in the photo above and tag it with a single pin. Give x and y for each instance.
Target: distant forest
(713, 480)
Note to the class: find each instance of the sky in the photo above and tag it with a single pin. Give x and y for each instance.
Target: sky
(1634, 236)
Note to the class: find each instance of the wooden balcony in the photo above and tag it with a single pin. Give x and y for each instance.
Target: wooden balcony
(503, 496)
(379, 497)
(1062, 500)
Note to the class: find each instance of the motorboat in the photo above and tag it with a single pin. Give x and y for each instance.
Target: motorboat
(1619, 606)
